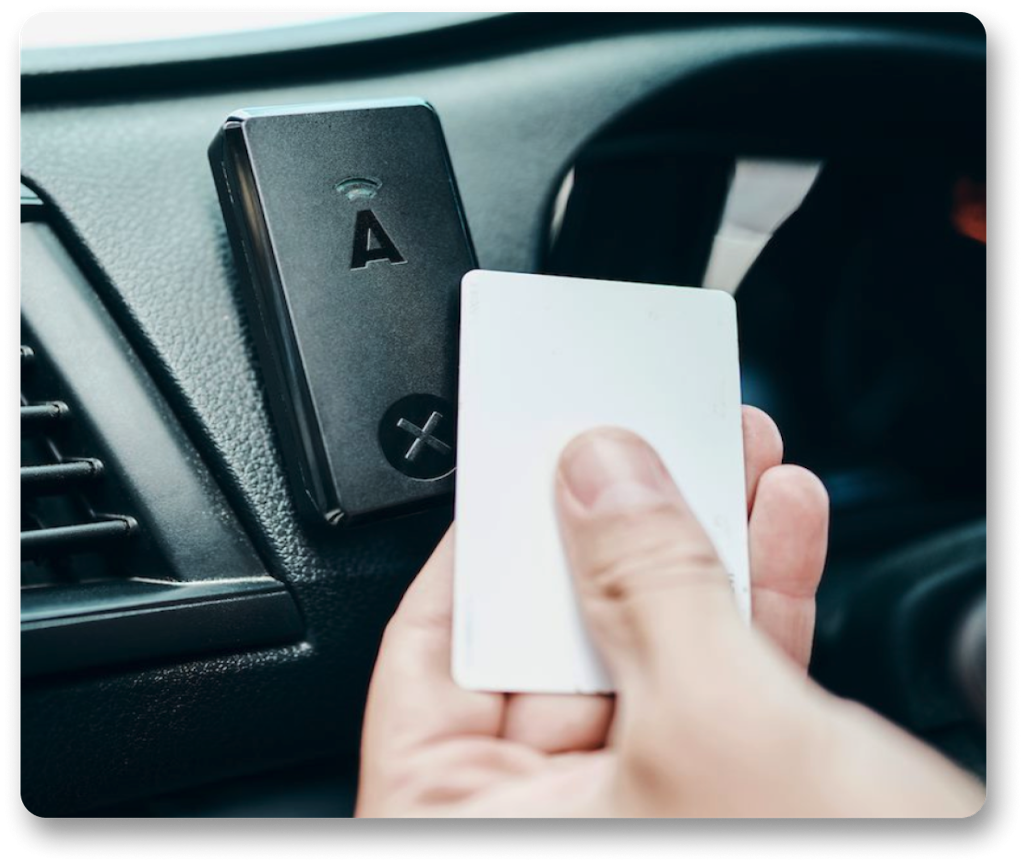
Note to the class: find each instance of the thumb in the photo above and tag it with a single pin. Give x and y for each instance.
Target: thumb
(651, 587)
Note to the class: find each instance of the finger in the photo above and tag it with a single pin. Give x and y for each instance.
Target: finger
(788, 538)
(762, 447)
(412, 698)
(558, 724)
(656, 598)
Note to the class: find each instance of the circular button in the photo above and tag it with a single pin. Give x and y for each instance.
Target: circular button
(417, 435)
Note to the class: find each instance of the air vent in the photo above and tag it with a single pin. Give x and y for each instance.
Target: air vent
(129, 551)
(63, 537)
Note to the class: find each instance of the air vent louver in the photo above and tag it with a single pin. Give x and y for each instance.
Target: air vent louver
(58, 520)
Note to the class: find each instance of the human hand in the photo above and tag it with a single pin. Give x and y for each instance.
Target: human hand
(711, 718)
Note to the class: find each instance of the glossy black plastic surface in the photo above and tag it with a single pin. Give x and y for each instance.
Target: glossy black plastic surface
(346, 223)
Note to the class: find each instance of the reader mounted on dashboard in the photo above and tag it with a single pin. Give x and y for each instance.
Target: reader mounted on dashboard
(346, 225)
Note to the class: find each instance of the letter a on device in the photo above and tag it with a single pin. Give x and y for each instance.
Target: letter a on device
(372, 243)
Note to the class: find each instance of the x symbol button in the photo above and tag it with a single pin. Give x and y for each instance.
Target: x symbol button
(417, 436)
(424, 436)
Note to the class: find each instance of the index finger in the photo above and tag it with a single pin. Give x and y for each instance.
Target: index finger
(413, 699)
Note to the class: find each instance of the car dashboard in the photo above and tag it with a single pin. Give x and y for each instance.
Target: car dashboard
(193, 646)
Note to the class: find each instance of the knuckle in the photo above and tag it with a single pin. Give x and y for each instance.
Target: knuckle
(761, 425)
(393, 636)
(803, 489)
(649, 555)
(651, 753)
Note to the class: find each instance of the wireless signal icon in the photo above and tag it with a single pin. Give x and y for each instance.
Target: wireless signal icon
(358, 188)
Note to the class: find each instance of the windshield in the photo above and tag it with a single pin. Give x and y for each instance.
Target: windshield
(67, 29)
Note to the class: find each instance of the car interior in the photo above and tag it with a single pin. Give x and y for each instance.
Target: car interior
(192, 646)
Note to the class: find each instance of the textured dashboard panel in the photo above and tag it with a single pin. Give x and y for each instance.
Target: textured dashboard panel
(132, 184)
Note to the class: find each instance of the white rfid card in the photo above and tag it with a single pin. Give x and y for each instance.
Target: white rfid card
(543, 358)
